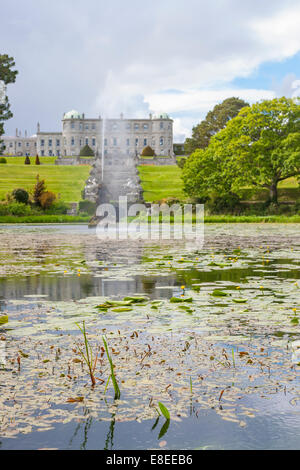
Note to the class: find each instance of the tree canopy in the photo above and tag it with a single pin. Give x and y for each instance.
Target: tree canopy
(7, 75)
(215, 121)
(258, 148)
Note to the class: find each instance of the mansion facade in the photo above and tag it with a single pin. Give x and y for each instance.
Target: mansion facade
(108, 136)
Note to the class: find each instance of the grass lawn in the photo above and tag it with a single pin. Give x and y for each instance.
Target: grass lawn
(21, 160)
(66, 181)
(160, 182)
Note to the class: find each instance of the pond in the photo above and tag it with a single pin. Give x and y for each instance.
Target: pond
(209, 336)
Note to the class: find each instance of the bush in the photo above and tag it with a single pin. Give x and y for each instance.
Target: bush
(181, 162)
(297, 206)
(88, 207)
(20, 195)
(37, 160)
(228, 203)
(27, 160)
(58, 207)
(86, 151)
(3, 160)
(15, 208)
(47, 199)
(148, 152)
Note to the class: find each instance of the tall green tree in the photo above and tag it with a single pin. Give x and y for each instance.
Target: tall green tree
(259, 148)
(7, 75)
(215, 121)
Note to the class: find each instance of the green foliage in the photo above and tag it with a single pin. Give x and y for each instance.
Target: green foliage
(258, 148)
(112, 373)
(15, 209)
(88, 207)
(7, 75)
(88, 354)
(27, 160)
(148, 152)
(58, 207)
(215, 121)
(164, 410)
(181, 162)
(227, 203)
(20, 195)
(3, 160)
(86, 151)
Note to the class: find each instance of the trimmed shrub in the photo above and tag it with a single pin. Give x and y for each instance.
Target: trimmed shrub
(37, 160)
(47, 199)
(3, 160)
(20, 195)
(27, 160)
(148, 152)
(88, 207)
(86, 151)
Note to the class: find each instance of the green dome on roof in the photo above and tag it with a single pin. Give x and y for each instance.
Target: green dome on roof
(161, 116)
(72, 115)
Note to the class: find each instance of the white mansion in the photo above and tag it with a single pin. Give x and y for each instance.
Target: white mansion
(124, 136)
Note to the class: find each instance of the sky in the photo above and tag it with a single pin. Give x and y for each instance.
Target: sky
(176, 56)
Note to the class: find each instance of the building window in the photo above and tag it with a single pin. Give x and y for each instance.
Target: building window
(58, 153)
(145, 126)
(93, 126)
(145, 142)
(105, 141)
(136, 126)
(127, 142)
(80, 126)
(72, 141)
(50, 142)
(87, 126)
(115, 141)
(50, 153)
(42, 153)
(128, 125)
(93, 142)
(19, 144)
(42, 143)
(57, 142)
(80, 142)
(72, 125)
(11, 144)
(136, 141)
(161, 125)
(27, 144)
(86, 141)
(105, 152)
(161, 141)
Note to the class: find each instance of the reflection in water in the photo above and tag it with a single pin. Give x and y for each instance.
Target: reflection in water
(109, 442)
(276, 423)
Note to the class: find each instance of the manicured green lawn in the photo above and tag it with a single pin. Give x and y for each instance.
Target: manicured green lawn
(21, 160)
(66, 181)
(160, 182)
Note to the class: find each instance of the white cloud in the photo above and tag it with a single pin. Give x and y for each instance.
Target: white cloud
(112, 57)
